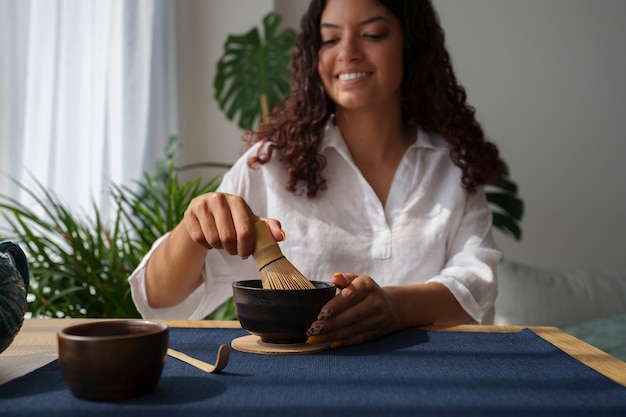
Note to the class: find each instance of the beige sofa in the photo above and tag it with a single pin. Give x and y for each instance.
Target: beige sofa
(590, 304)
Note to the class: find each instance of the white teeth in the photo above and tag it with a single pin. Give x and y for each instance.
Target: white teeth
(352, 76)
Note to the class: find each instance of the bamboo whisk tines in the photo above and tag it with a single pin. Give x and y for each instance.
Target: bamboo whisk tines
(277, 273)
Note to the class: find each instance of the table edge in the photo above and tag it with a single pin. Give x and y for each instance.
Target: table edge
(607, 365)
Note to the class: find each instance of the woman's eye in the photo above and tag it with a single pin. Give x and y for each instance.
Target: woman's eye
(329, 41)
(375, 36)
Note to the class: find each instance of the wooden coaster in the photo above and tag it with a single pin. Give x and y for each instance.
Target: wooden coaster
(254, 344)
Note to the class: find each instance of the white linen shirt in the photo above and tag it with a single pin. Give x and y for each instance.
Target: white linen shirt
(430, 229)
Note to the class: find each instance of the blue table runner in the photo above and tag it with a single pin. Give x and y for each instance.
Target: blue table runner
(410, 373)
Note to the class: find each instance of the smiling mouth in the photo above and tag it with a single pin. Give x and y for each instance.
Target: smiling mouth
(353, 76)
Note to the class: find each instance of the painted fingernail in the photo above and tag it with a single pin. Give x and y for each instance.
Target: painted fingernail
(326, 314)
(336, 344)
(282, 232)
(337, 274)
(313, 340)
(316, 330)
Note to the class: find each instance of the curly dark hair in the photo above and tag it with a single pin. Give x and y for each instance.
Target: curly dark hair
(432, 99)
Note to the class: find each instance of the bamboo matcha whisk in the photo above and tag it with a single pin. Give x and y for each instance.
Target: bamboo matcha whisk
(277, 273)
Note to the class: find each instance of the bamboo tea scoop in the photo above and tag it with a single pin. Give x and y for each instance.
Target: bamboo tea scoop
(223, 354)
(277, 273)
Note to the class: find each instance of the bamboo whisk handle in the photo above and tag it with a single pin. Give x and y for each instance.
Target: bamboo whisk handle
(266, 249)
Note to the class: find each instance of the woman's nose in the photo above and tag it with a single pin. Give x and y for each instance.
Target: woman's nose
(350, 51)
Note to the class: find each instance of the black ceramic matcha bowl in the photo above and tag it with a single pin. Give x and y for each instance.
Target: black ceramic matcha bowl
(279, 316)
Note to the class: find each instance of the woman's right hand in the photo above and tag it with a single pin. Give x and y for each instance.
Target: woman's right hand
(212, 221)
(225, 221)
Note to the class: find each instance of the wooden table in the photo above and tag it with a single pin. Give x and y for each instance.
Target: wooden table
(36, 345)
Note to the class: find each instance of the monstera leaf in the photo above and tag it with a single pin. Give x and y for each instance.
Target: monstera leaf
(507, 207)
(253, 71)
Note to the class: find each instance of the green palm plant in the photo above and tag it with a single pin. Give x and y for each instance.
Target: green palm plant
(80, 264)
(74, 263)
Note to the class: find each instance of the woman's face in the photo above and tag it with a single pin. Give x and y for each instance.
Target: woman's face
(360, 58)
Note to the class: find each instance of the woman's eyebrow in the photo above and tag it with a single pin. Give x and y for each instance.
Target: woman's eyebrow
(325, 25)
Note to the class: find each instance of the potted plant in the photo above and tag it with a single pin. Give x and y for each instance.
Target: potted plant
(79, 265)
(253, 72)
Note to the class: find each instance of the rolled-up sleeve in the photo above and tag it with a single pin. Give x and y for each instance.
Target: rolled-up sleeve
(473, 257)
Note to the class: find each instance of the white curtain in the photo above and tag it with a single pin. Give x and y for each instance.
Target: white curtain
(88, 94)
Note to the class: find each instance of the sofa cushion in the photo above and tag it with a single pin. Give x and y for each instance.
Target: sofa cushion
(607, 334)
(530, 295)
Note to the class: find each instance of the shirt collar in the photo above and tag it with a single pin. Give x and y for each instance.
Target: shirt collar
(333, 139)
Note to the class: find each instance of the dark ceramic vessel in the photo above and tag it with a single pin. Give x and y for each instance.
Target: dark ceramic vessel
(112, 360)
(279, 316)
(14, 279)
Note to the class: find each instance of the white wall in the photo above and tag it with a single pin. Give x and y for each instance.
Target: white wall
(547, 78)
(202, 28)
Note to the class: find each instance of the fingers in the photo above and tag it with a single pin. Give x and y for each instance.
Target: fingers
(346, 298)
(225, 221)
(275, 228)
(358, 313)
(342, 280)
(210, 220)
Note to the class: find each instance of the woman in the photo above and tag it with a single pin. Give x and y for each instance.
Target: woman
(375, 168)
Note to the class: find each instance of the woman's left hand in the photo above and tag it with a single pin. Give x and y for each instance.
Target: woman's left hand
(361, 311)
